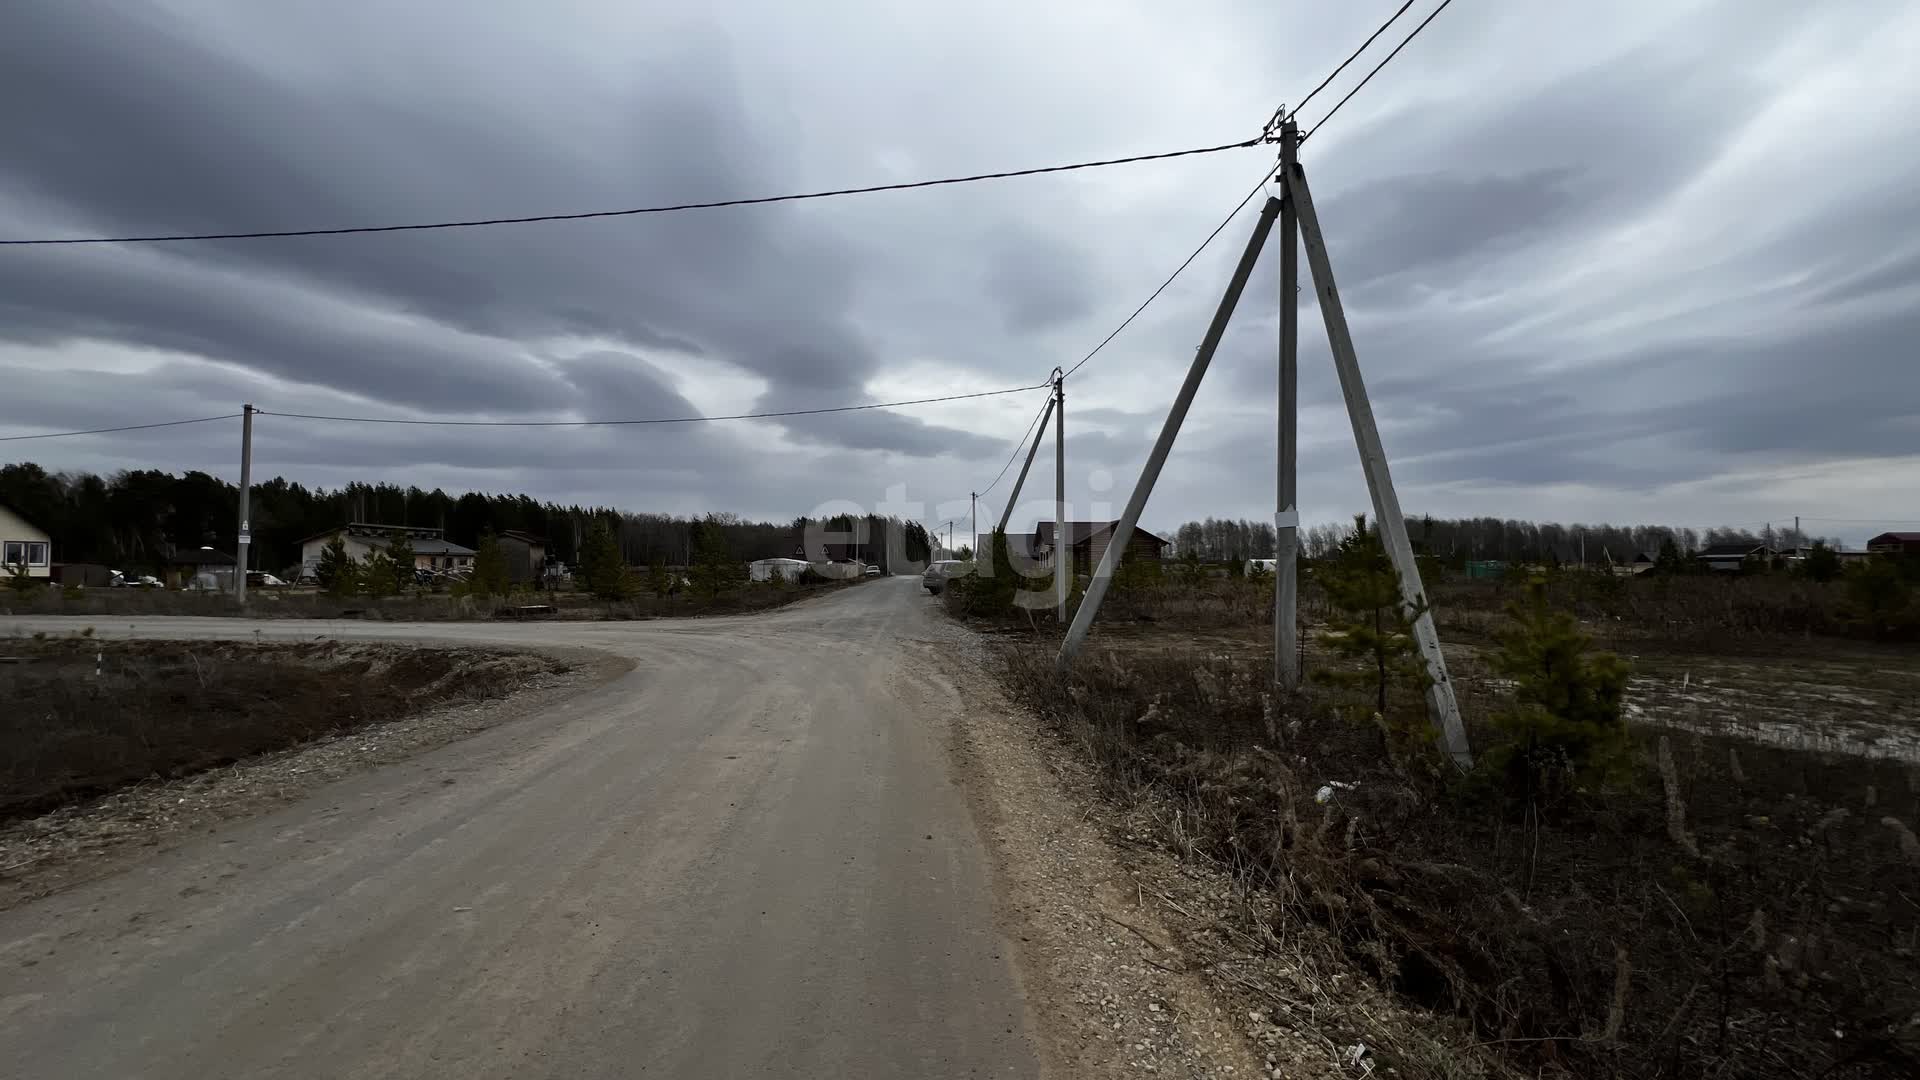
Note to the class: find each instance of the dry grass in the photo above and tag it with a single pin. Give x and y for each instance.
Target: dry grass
(430, 607)
(84, 717)
(1573, 938)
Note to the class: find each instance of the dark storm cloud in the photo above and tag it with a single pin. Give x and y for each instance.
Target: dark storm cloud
(229, 147)
(1037, 284)
(1575, 253)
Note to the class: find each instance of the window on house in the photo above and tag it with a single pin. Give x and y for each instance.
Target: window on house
(36, 554)
(14, 553)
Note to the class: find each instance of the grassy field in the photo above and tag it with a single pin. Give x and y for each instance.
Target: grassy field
(1742, 899)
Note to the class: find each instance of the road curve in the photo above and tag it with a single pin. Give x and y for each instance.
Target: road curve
(747, 857)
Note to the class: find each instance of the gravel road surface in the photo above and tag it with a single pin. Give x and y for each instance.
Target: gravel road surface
(747, 857)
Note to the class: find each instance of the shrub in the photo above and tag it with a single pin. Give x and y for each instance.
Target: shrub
(603, 566)
(1880, 600)
(377, 575)
(1373, 624)
(1565, 724)
(490, 576)
(991, 592)
(337, 571)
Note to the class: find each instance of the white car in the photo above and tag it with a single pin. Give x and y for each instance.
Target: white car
(935, 579)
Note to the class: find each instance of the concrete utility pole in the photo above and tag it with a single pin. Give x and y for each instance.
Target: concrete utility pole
(1039, 433)
(1286, 520)
(973, 525)
(1441, 705)
(1123, 532)
(1062, 561)
(246, 490)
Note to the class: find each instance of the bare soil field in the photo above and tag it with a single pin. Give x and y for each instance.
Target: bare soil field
(307, 603)
(85, 717)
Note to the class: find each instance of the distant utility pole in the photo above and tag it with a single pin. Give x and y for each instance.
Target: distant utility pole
(1130, 517)
(1062, 562)
(246, 489)
(1286, 521)
(973, 526)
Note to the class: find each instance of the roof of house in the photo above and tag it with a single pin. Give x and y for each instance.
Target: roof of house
(1738, 549)
(1078, 531)
(524, 537)
(199, 557)
(1896, 538)
(369, 531)
(440, 547)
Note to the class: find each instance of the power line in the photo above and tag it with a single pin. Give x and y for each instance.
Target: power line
(1017, 447)
(1177, 271)
(668, 209)
(1376, 68)
(129, 427)
(1355, 55)
(648, 420)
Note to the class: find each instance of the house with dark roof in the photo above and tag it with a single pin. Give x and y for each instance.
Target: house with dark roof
(1895, 543)
(204, 567)
(1088, 541)
(1730, 556)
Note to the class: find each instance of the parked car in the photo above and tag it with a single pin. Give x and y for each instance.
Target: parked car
(122, 580)
(873, 571)
(938, 573)
(260, 579)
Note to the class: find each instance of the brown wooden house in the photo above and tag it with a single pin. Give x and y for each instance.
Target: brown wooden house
(1089, 540)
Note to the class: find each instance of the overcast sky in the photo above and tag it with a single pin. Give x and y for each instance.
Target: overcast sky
(1630, 262)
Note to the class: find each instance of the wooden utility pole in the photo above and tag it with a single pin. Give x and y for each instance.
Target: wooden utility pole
(1286, 520)
(1137, 502)
(1441, 705)
(245, 538)
(1062, 560)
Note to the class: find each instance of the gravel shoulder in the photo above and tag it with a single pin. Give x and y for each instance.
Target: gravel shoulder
(97, 837)
(1126, 954)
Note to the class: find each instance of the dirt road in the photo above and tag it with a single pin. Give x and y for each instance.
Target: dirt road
(745, 858)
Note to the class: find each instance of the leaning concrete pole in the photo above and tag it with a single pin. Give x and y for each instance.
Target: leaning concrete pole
(1286, 518)
(1039, 433)
(1123, 532)
(1441, 705)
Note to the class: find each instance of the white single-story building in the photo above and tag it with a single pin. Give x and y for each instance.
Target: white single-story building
(22, 543)
(431, 549)
(789, 569)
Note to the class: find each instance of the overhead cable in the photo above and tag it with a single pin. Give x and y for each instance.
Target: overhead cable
(1376, 69)
(761, 200)
(1018, 446)
(423, 422)
(1355, 55)
(128, 427)
(1177, 271)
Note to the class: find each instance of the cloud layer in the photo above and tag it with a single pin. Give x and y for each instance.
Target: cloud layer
(1654, 267)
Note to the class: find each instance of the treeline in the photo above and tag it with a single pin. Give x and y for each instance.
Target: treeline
(1217, 540)
(135, 520)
